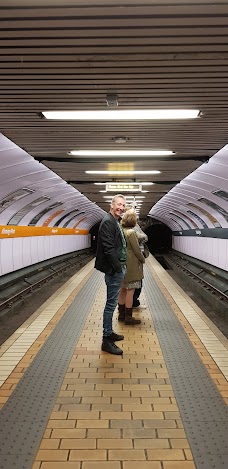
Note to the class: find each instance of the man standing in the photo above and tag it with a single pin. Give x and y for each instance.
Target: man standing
(111, 259)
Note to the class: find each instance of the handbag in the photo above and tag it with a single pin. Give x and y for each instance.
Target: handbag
(146, 251)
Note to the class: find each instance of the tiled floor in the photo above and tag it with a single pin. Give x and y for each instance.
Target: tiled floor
(108, 411)
(115, 412)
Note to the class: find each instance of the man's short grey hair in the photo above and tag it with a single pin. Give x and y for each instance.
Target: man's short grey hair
(116, 196)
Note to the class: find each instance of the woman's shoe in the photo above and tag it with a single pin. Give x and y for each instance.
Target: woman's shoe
(129, 320)
(121, 309)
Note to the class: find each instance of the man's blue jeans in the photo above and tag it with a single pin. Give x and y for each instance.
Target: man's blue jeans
(113, 283)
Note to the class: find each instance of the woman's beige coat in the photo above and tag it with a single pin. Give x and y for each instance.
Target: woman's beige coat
(135, 258)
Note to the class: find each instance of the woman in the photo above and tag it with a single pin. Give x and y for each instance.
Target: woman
(134, 272)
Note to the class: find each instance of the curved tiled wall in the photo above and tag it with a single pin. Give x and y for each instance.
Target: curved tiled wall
(41, 216)
(196, 210)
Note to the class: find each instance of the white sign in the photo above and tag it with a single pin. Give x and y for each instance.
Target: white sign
(123, 187)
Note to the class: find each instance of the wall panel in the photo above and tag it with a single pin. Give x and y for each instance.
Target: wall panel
(6, 249)
(214, 251)
(16, 253)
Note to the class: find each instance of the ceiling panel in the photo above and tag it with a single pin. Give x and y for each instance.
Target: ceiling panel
(69, 54)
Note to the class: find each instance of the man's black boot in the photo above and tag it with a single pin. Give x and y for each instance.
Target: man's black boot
(110, 347)
(121, 309)
(114, 337)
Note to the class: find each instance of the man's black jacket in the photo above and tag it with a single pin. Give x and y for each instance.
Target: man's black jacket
(109, 246)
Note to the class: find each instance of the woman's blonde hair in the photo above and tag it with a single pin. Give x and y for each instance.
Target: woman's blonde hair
(129, 219)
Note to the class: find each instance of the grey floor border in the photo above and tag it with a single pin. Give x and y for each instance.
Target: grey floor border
(203, 411)
(24, 417)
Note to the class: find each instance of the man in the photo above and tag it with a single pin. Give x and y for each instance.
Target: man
(111, 259)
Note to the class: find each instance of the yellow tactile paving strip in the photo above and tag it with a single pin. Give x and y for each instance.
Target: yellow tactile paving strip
(19, 350)
(209, 342)
(114, 410)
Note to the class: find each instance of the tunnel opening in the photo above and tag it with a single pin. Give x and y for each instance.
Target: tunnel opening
(94, 233)
(159, 241)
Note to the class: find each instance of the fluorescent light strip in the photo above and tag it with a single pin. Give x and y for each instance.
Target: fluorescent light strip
(123, 114)
(129, 182)
(128, 197)
(121, 153)
(122, 172)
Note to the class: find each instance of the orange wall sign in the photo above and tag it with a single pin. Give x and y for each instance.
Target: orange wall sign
(49, 219)
(79, 221)
(25, 231)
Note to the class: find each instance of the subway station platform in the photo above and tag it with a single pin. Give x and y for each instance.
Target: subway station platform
(65, 404)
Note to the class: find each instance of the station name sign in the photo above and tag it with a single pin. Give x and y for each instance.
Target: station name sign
(122, 187)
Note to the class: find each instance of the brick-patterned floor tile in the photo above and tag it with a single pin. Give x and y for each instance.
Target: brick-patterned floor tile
(77, 443)
(52, 455)
(88, 455)
(165, 454)
(68, 433)
(121, 443)
(115, 412)
(179, 443)
(156, 443)
(126, 455)
(92, 424)
(178, 465)
(142, 465)
(48, 443)
(60, 465)
(101, 465)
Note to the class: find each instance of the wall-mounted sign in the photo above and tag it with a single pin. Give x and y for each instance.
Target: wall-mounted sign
(17, 217)
(13, 197)
(123, 187)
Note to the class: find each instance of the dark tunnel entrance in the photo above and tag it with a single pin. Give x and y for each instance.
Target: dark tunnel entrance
(94, 234)
(159, 238)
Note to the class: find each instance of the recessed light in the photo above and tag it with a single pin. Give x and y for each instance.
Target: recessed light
(120, 139)
(124, 153)
(122, 172)
(128, 182)
(123, 114)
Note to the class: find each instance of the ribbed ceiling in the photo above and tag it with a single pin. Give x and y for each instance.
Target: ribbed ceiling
(69, 54)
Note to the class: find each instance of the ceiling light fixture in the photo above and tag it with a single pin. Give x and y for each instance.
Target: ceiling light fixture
(129, 182)
(147, 183)
(123, 114)
(120, 140)
(106, 153)
(127, 197)
(122, 172)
